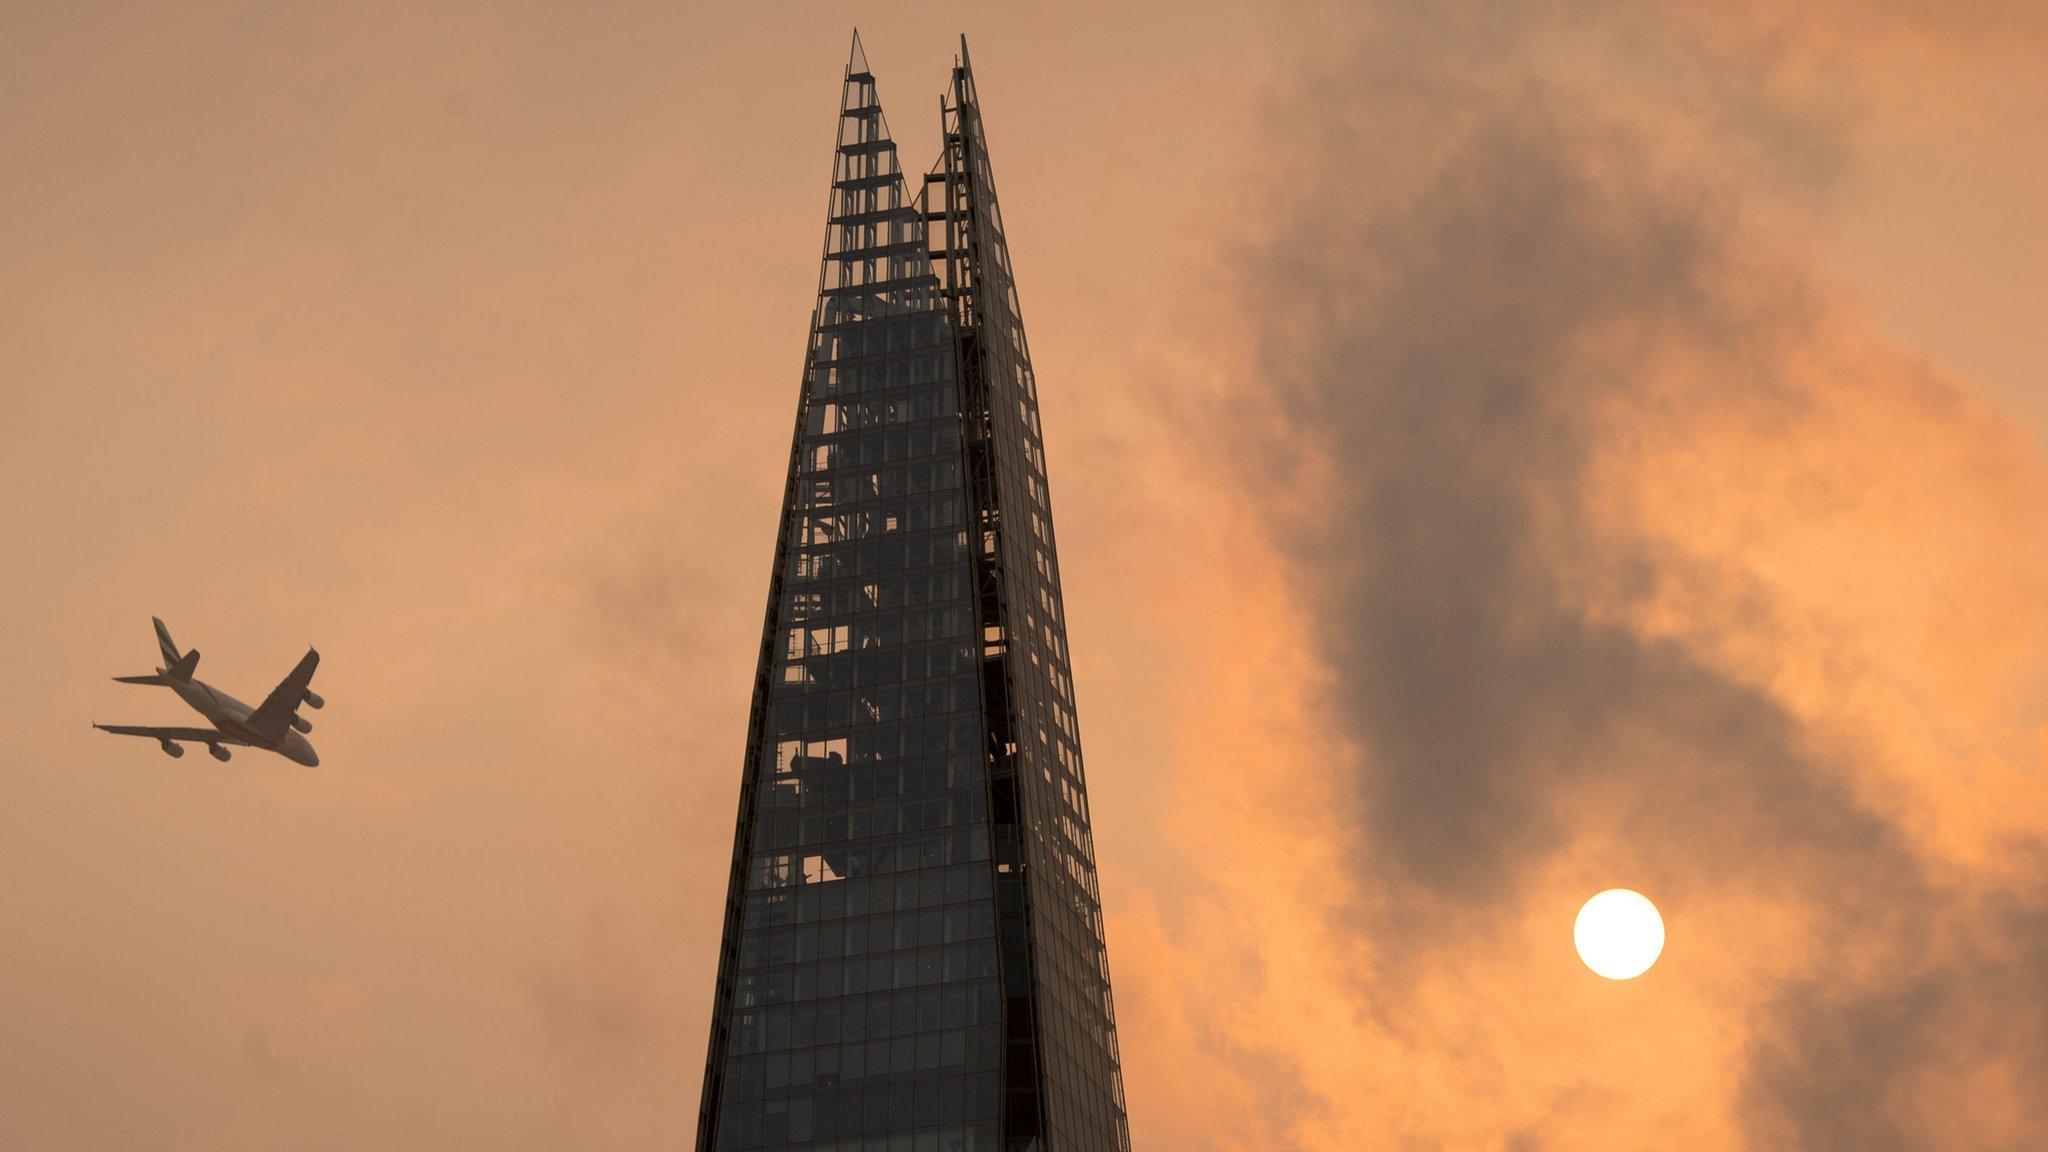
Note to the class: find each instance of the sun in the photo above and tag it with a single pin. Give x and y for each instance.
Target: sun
(1619, 934)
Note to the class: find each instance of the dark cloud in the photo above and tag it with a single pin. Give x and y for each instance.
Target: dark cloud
(1464, 328)
(1855, 1067)
(1477, 268)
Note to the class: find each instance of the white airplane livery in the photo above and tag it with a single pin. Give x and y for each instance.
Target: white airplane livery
(273, 726)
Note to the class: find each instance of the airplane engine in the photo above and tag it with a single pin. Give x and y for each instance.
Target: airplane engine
(315, 700)
(302, 724)
(172, 750)
(219, 753)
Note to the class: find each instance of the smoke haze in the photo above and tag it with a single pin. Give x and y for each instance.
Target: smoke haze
(1501, 452)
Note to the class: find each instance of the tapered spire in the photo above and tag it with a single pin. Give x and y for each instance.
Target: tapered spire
(913, 932)
(875, 257)
(1063, 1087)
(856, 59)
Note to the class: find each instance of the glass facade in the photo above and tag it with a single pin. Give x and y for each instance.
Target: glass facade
(913, 956)
(1056, 966)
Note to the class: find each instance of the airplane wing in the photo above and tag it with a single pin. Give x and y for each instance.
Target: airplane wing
(196, 735)
(274, 716)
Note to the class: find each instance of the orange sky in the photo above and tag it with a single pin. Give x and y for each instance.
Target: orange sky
(1500, 452)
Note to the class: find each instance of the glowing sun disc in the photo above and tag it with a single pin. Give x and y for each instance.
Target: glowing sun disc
(1619, 934)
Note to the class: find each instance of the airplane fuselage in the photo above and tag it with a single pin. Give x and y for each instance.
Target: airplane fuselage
(231, 716)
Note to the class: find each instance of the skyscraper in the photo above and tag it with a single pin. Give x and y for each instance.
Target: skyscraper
(913, 955)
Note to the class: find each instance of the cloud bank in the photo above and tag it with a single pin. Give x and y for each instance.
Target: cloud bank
(1591, 536)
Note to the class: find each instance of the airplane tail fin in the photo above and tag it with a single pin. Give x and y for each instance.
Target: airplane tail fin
(163, 641)
(177, 666)
(151, 679)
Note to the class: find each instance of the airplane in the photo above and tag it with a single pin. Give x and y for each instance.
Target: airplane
(273, 726)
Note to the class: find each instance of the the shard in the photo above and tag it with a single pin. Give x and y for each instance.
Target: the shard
(913, 954)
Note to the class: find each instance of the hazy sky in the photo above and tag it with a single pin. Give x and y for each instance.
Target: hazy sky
(1501, 451)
